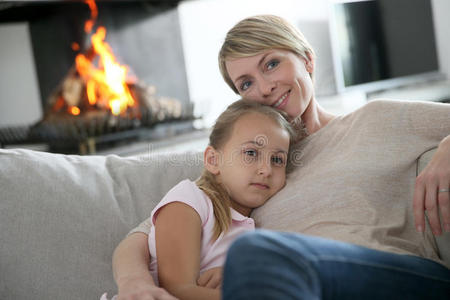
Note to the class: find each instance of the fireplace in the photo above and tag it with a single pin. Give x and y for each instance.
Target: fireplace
(80, 114)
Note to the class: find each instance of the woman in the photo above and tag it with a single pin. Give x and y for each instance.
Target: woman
(346, 188)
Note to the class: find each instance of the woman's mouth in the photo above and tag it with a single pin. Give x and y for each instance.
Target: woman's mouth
(282, 101)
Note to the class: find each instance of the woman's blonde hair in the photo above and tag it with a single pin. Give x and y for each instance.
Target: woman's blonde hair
(220, 134)
(257, 34)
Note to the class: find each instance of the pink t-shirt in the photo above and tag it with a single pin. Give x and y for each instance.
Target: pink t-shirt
(212, 253)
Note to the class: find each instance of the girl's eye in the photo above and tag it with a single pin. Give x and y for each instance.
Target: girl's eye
(245, 85)
(250, 152)
(272, 64)
(278, 160)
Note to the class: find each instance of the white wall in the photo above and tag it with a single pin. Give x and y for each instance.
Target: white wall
(19, 93)
(441, 14)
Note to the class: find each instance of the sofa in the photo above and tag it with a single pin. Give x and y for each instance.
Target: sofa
(62, 216)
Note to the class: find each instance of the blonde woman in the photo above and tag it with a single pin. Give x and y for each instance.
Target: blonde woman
(356, 189)
(356, 185)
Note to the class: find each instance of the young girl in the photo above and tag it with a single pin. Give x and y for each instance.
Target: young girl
(195, 223)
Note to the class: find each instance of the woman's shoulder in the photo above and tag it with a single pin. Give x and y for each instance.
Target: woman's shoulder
(400, 114)
(398, 108)
(374, 109)
(383, 108)
(375, 113)
(393, 104)
(383, 105)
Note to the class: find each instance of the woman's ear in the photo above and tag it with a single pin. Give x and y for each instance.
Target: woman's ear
(211, 159)
(309, 63)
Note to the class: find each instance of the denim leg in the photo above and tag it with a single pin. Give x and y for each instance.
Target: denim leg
(271, 265)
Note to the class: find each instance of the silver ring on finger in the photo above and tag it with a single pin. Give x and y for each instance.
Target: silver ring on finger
(444, 190)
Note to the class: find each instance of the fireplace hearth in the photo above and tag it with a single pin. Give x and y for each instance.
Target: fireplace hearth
(87, 135)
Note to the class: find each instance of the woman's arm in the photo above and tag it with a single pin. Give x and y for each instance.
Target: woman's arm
(211, 278)
(434, 177)
(423, 125)
(130, 268)
(178, 246)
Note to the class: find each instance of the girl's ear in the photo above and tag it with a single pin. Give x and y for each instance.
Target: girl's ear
(211, 160)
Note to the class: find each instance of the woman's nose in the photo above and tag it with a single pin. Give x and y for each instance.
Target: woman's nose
(266, 86)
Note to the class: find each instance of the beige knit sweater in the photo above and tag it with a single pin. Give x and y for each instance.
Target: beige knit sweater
(355, 179)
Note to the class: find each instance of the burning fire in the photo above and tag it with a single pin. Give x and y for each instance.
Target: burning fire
(106, 84)
(94, 12)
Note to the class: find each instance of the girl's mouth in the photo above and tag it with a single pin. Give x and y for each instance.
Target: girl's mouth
(260, 186)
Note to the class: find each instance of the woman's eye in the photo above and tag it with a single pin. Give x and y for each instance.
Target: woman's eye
(245, 85)
(278, 160)
(272, 64)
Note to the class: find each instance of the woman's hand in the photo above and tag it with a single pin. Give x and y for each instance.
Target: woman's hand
(141, 288)
(211, 278)
(130, 269)
(431, 192)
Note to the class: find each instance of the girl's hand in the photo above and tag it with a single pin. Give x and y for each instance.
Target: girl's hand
(211, 278)
(434, 177)
(138, 288)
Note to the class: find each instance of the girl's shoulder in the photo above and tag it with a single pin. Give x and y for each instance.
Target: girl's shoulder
(184, 186)
(187, 192)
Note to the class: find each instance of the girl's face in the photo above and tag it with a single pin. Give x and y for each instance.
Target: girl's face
(252, 164)
(278, 78)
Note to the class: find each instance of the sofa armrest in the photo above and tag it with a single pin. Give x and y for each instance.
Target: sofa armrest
(443, 241)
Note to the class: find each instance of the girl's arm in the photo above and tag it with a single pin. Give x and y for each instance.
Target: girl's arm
(178, 247)
(130, 268)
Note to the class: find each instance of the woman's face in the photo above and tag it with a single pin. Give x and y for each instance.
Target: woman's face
(278, 78)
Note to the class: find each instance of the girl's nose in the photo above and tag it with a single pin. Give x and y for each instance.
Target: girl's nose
(264, 168)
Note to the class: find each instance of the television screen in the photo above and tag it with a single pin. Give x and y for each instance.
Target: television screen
(380, 44)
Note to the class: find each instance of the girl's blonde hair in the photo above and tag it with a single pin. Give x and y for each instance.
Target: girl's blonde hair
(220, 134)
(257, 34)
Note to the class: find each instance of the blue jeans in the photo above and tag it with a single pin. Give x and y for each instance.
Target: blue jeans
(273, 265)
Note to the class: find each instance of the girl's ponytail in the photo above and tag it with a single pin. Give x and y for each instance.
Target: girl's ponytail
(220, 201)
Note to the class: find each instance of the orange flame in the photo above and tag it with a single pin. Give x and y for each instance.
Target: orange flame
(106, 84)
(74, 110)
(94, 13)
(75, 46)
